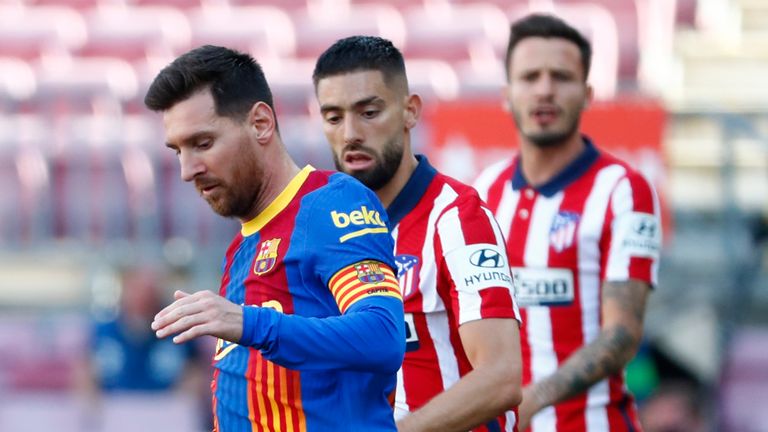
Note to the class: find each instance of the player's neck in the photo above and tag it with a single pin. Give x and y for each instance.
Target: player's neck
(389, 192)
(542, 164)
(277, 174)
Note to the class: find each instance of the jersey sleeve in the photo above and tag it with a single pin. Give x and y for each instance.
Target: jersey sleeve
(475, 261)
(633, 240)
(349, 249)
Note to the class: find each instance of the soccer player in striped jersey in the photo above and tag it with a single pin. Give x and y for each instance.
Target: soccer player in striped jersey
(583, 236)
(462, 364)
(309, 315)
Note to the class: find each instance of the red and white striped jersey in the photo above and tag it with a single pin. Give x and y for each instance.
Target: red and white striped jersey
(598, 220)
(452, 269)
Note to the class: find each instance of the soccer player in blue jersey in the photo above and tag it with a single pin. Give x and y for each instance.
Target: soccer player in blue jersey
(309, 315)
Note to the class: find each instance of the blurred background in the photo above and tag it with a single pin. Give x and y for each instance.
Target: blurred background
(97, 230)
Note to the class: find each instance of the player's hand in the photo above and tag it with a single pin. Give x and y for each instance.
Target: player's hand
(527, 408)
(198, 314)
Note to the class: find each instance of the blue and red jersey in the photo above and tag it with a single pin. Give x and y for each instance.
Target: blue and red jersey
(323, 331)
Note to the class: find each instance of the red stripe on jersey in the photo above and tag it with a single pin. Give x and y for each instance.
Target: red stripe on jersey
(642, 195)
(501, 301)
(422, 380)
(567, 323)
(497, 187)
(214, 401)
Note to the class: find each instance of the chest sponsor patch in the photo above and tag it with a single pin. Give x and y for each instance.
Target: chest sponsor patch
(479, 266)
(543, 287)
(361, 222)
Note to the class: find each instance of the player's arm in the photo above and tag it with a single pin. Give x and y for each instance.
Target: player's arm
(620, 335)
(632, 254)
(370, 334)
(492, 387)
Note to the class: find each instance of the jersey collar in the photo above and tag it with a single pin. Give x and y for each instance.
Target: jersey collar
(278, 204)
(412, 192)
(568, 175)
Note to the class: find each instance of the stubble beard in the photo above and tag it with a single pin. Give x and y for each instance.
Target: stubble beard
(385, 168)
(550, 139)
(239, 196)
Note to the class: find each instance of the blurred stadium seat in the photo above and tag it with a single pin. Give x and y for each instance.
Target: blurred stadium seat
(319, 26)
(449, 32)
(27, 32)
(263, 31)
(150, 29)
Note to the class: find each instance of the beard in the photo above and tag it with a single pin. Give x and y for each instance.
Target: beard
(237, 197)
(552, 138)
(384, 169)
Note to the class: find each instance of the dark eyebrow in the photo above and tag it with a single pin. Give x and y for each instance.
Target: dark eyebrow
(360, 103)
(191, 138)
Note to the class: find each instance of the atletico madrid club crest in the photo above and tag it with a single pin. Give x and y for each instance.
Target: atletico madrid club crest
(563, 230)
(267, 256)
(369, 272)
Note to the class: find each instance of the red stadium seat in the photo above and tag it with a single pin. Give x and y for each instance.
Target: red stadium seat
(318, 28)
(27, 32)
(260, 30)
(79, 81)
(449, 32)
(132, 32)
(17, 80)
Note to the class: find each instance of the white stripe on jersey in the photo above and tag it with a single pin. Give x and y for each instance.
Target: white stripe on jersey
(487, 177)
(428, 273)
(401, 406)
(452, 238)
(591, 222)
(446, 356)
(538, 322)
(507, 208)
(617, 265)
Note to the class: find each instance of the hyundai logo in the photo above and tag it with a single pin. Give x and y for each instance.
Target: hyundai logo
(487, 258)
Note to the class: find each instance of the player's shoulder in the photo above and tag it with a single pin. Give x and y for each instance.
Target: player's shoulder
(338, 188)
(465, 197)
(346, 201)
(492, 173)
(627, 171)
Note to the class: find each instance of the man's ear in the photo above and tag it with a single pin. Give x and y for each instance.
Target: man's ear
(590, 97)
(261, 118)
(412, 111)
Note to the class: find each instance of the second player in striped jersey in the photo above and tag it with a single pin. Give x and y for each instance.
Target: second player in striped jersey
(462, 364)
(584, 237)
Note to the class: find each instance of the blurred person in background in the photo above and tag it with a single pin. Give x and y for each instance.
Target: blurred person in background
(124, 356)
(309, 317)
(674, 406)
(583, 235)
(462, 363)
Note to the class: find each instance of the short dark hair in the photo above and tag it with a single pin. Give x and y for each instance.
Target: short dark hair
(548, 26)
(235, 79)
(361, 53)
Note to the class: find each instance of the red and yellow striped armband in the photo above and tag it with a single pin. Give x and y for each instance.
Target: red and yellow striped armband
(361, 280)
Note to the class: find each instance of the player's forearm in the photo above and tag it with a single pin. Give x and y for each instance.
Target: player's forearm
(479, 397)
(605, 356)
(369, 336)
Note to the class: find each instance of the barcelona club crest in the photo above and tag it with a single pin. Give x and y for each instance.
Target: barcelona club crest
(369, 272)
(267, 256)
